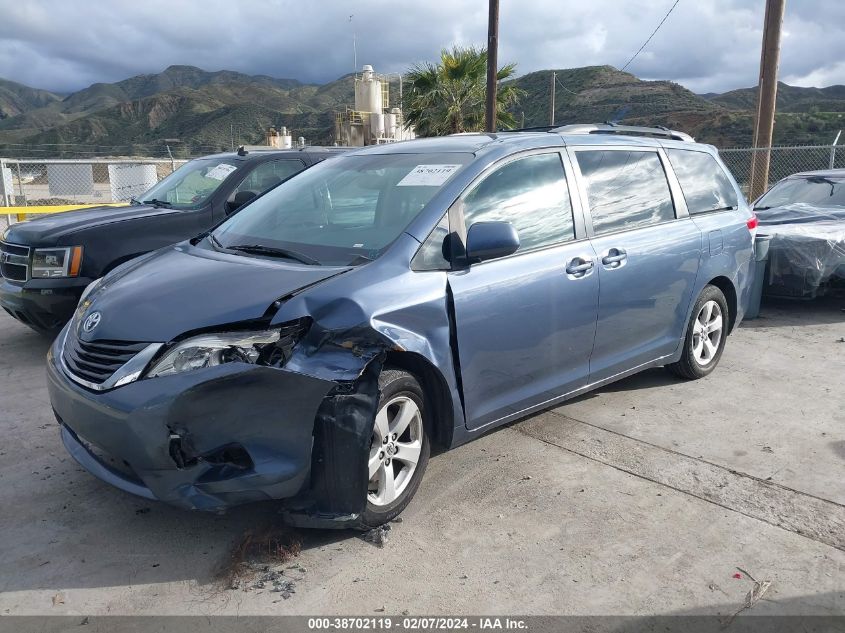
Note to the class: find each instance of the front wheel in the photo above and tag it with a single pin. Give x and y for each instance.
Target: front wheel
(706, 334)
(399, 447)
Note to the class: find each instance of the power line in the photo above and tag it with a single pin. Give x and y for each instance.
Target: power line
(651, 36)
(565, 88)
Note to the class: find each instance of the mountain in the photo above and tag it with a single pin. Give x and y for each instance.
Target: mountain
(192, 121)
(194, 111)
(16, 98)
(789, 99)
(205, 111)
(602, 93)
(101, 96)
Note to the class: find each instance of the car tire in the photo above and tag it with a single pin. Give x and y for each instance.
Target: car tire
(707, 331)
(401, 401)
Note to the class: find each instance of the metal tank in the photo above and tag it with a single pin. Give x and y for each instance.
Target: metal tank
(368, 91)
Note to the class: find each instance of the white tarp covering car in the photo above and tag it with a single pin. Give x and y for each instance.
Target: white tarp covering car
(805, 216)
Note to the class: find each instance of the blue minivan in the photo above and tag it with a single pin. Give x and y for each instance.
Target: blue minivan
(316, 344)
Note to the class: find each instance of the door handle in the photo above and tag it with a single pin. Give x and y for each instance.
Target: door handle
(614, 257)
(579, 266)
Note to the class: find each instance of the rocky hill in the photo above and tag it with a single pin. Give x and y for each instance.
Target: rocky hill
(16, 99)
(790, 99)
(602, 93)
(195, 111)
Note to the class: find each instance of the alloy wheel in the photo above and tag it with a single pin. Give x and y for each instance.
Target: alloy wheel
(707, 333)
(395, 449)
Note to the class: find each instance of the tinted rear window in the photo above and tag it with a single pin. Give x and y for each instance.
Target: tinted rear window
(627, 189)
(705, 185)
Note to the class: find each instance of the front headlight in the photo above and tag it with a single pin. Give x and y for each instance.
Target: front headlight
(49, 263)
(269, 347)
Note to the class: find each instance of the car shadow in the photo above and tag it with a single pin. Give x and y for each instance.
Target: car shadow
(28, 348)
(121, 540)
(779, 312)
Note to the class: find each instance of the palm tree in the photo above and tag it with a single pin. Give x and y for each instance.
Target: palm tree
(448, 97)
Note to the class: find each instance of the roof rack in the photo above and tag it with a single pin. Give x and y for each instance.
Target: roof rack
(535, 128)
(613, 128)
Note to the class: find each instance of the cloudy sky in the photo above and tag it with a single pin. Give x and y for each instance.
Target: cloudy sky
(706, 45)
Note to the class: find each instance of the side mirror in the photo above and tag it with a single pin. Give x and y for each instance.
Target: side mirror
(489, 240)
(240, 199)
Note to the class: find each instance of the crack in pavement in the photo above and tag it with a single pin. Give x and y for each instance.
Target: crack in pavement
(798, 512)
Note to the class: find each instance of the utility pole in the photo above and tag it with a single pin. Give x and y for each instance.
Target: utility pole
(767, 91)
(552, 109)
(354, 46)
(492, 65)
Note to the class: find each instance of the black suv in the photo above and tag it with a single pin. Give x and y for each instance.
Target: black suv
(45, 264)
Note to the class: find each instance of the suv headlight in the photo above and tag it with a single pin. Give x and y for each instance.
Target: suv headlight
(49, 263)
(268, 347)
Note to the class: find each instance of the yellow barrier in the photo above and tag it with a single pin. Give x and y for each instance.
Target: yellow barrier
(21, 212)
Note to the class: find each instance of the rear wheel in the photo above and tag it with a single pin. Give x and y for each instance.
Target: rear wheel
(399, 447)
(706, 334)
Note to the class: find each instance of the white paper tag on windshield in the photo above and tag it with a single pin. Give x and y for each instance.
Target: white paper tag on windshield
(428, 175)
(220, 171)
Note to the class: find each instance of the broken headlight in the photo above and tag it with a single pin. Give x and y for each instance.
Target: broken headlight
(267, 347)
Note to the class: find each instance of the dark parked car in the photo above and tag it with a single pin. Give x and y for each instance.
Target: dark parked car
(805, 216)
(45, 264)
(315, 345)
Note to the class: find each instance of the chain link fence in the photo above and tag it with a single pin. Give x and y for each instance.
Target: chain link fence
(784, 161)
(51, 182)
(33, 182)
(28, 183)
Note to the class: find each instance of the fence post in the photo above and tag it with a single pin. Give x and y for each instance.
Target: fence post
(833, 149)
(4, 195)
(21, 216)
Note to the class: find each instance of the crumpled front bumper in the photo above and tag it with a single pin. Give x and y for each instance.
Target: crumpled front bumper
(203, 440)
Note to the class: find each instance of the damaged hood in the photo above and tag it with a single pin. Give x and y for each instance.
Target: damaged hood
(184, 288)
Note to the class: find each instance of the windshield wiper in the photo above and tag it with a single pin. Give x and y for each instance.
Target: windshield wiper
(761, 208)
(360, 260)
(134, 201)
(261, 249)
(158, 203)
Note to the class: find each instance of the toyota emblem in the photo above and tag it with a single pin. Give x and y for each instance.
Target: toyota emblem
(91, 322)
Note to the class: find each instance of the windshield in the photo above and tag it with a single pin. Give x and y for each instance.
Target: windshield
(819, 191)
(343, 211)
(192, 184)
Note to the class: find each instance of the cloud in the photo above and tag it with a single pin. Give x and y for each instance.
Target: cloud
(706, 46)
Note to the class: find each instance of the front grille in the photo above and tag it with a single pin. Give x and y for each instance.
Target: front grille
(96, 361)
(14, 261)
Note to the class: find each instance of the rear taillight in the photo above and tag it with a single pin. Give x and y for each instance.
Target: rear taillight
(752, 223)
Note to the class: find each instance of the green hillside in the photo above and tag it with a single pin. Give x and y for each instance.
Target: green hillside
(15, 98)
(602, 93)
(789, 99)
(596, 94)
(195, 111)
